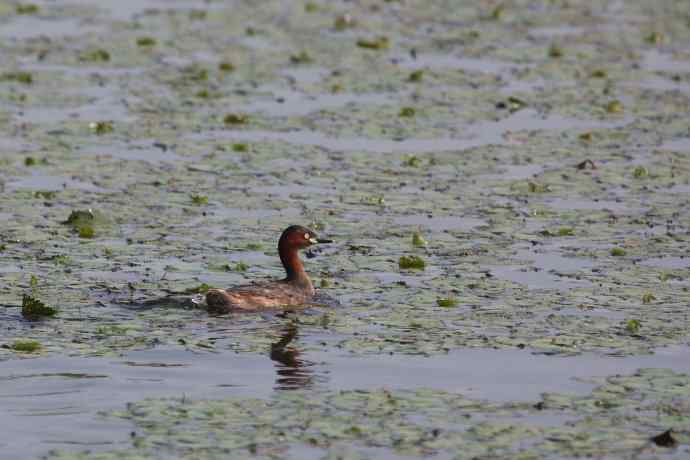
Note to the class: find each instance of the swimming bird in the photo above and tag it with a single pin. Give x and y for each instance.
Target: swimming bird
(296, 289)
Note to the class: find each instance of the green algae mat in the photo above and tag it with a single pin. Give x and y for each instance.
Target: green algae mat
(496, 175)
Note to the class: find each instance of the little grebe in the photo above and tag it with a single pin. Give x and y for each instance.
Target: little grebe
(295, 289)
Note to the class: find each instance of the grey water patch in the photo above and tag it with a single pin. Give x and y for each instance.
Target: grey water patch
(678, 145)
(548, 269)
(284, 103)
(423, 61)
(48, 183)
(560, 31)
(440, 223)
(491, 133)
(306, 75)
(148, 151)
(585, 204)
(55, 402)
(655, 60)
(28, 26)
(292, 190)
(515, 172)
(669, 262)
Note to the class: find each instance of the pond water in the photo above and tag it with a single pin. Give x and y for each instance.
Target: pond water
(534, 162)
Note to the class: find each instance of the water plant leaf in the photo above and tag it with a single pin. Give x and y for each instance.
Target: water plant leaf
(33, 309)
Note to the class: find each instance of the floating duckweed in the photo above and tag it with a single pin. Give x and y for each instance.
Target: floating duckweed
(197, 15)
(199, 200)
(412, 161)
(447, 302)
(240, 147)
(337, 88)
(86, 231)
(61, 259)
(655, 38)
(146, 41)
(311, 7)
(241, 267)
(98, 55)
(26, 346)
(27, 8)
(33, 309)
(614, 107)
(235, 119)
(200, 289)
(302, 58)
(83, 222)
(534, 187)
(254, 246)
(555, 51)
(640, 172)
(599, 73)
(633, 326)
(586, 137)
(497, 13)
(407, 112)
(416, 76)
(19, 77)
(411, 263)
(418, 240)
(226, 66)
(378, 43)
(195, 72)
(617, 252)
(566, 231)
(325, 283)
(101, 127)
(343, 22)
(513, 104)
(648, 297)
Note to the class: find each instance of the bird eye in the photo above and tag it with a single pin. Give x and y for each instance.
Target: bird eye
(306, 236)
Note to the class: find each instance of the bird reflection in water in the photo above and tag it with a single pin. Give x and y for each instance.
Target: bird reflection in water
(292, 372)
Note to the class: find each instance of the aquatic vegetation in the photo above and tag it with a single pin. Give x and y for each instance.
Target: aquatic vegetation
(235, 119)
(416, 76)
(447, 302)
(96, 55)
(226, 66)
(418, 239)
(301, 58)
(411, 263)
(20, 77)
(101, 127)
(407, 112)
(344, 21)
(618, 252)
(614, 107)
(146, 42)
(513, 168)
(640, 172)
(633, 326)
(379, 43)
(26, 8)
(199, 200)
(26, 346)
(33, 309)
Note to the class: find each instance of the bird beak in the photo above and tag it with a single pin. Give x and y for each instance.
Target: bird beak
(319, 240)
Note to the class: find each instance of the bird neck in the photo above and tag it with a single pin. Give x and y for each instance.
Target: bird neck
(294, 268)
